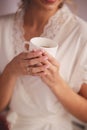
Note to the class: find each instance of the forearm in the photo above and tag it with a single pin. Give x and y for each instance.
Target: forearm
(74, 103)
(7, 83)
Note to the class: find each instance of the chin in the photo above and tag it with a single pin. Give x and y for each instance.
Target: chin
(50, 5)
(50, 8)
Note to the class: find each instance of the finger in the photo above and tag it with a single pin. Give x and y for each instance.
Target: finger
(35, 70)
(30, 55)
(42, 73)
(51, 67)
(36, 61)
(51, 59)
(46, 77)
(39, 74)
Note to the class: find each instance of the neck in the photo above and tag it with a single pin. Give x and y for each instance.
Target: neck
(37, 17)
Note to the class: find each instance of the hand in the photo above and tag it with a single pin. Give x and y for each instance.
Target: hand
(51, 75)
(24, 63)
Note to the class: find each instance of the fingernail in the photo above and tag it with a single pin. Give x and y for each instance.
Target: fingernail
(34, 50)
(45, 73)
(46, 58)
(47, 66)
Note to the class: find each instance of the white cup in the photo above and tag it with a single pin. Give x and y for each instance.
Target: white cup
(44, 43)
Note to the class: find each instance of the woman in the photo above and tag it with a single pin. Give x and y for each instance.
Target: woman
(34, 107)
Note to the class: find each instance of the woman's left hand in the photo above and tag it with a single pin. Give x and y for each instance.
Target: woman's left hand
(51, 75)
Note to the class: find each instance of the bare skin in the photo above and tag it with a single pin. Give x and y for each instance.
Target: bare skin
(46, 71)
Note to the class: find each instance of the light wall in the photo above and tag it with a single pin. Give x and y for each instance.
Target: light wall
(81, 8)
(10, 6)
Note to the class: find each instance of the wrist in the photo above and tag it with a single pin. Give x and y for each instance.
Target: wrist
(60, 87)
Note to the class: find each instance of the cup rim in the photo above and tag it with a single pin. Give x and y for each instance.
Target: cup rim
(54, 45)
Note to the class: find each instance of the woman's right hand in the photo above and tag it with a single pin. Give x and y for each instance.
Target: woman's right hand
(23, 64)
(20, 64)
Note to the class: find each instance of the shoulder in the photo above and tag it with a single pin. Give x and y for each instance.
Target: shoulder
(82, 27)
(75, 25)
(74, 19)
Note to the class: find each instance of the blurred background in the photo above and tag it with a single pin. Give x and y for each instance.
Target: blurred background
(10, 6)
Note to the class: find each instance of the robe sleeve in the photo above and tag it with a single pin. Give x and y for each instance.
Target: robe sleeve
(79, 76)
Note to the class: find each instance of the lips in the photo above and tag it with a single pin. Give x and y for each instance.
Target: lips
(50, 1)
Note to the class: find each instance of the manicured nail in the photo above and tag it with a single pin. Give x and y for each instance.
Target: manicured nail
(44, 73)
(47, 66)
(46, 58)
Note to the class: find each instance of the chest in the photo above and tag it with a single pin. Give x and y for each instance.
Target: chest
(30, 32)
